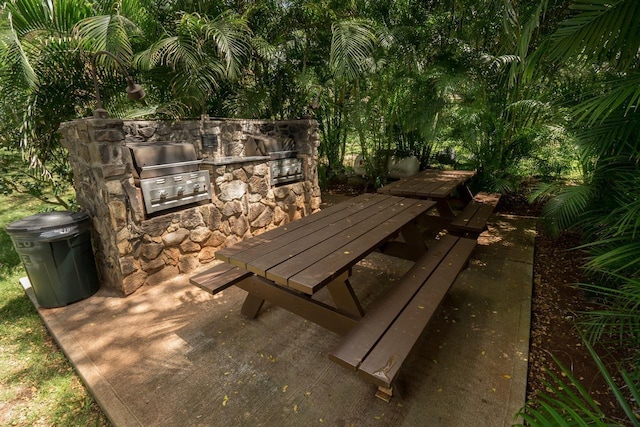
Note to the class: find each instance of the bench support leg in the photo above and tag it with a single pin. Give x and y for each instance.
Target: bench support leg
(465, 193)
(260, 289)
(344, 297)
(442, 205)
(384, 393)
(252, 305)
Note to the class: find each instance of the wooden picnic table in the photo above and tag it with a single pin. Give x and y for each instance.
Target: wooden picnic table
(290, 264)
(438, 185)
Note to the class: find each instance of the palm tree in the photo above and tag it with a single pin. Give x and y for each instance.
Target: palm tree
(42, 81)
(200, 53)
(605, 207)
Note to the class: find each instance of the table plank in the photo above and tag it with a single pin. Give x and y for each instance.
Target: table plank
(331, 263)
(276, 253)
(428, 183)
(257, 241)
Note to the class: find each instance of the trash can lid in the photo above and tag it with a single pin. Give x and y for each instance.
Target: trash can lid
(47, 221)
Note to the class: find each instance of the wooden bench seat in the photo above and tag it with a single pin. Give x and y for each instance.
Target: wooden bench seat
(219, 278)
(378, 345)
(473, 219)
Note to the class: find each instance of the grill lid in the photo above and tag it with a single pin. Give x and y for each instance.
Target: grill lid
(159, 159)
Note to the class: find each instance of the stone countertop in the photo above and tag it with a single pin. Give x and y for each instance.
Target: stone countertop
(234, 159)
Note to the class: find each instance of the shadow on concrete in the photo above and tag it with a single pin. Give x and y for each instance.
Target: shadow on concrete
(175, 355)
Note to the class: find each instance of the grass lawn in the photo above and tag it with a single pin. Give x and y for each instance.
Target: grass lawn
(38, 386)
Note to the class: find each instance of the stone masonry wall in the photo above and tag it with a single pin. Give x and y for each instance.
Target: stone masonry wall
(133, 249)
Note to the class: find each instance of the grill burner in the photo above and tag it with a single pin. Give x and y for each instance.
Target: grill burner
(168, 175)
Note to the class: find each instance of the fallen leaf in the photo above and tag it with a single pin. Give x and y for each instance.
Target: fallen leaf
(225, 400)
(284, 389)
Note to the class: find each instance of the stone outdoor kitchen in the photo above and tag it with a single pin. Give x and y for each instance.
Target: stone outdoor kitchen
(250, 176)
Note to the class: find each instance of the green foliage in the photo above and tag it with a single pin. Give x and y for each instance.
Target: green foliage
(567, 403)
(42, 82)
(605, 207)
(201, 52)
(391, 73)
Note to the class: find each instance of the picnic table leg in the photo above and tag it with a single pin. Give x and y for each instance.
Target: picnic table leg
(442, 205)
(465, 193)
(414, 241)
(344, 297)
(411, 246)
(252, 305)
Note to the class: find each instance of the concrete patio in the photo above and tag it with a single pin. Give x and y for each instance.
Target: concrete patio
(172, 354)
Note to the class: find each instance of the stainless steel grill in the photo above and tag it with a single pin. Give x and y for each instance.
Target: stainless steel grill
(168, 175)
(283, 162)
(287, 169)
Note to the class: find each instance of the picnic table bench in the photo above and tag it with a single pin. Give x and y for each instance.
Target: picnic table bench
(290, 264)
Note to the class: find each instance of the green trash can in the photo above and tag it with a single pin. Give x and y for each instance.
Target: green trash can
(55, 248)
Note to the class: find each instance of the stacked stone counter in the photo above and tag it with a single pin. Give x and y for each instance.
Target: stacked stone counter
(132, 248)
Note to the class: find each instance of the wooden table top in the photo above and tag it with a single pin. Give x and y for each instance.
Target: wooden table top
(428, 184)
(309, 253)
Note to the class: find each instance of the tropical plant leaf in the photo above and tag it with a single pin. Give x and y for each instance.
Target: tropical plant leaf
(108, 32)
(352, 45)
(569, 205)
(605, 30)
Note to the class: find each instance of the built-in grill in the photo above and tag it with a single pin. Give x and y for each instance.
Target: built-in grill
(284, 164)
(168, 175)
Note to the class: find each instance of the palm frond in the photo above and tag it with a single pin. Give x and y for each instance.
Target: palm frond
(30, 16)
(567, 402)
(617, 256)
(603, 29)
(263, 48)
(107, 32)
(15, 62)
(352, 44)
(521, 32)
(621, 399)
(622, 95)
(528, 112)
(564, 403)
(568, 205)
(67, 13)
(230, 34)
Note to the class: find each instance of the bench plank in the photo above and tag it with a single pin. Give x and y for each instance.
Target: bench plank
(219, 278)
(352, 350)
(383, 363)
(475, 215)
